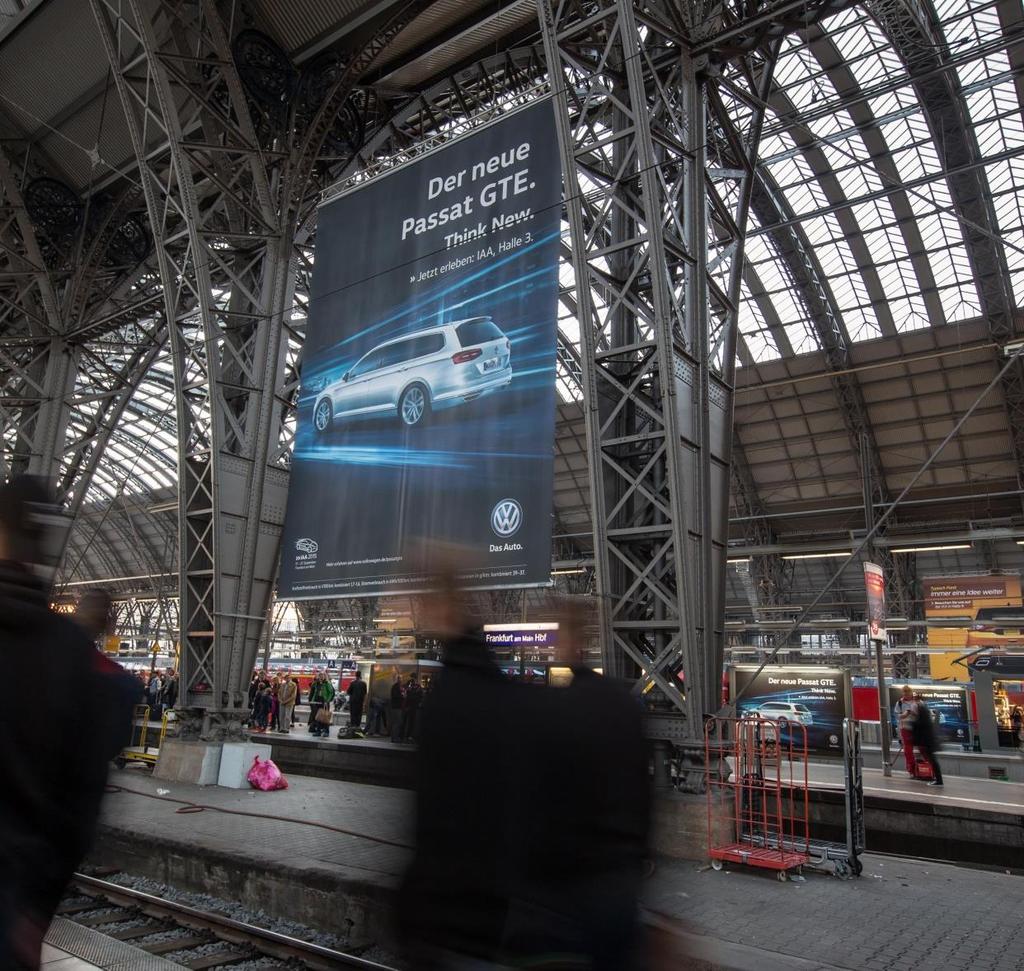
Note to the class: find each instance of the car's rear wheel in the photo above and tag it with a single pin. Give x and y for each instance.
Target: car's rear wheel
(323, 415)
(414, 406)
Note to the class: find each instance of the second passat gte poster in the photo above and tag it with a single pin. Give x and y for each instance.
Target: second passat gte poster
(426, 415)
(815, 697)
(947, 704)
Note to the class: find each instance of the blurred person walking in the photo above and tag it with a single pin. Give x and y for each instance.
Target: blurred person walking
(94, 614)
(585, 804)
(925, 739)
(453, 901)
(50, 802)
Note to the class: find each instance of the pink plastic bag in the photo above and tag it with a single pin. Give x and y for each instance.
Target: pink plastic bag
(266, 775)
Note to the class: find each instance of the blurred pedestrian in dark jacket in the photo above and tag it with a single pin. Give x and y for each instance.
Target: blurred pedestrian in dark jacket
(923, 731)
(52, 782)
(584, 807)
(94, 614)
(454, 897)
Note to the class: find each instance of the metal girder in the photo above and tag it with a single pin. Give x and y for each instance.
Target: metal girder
(767, 578)
(743, 26)
(65, 264)
(909, 26)
(229, 189)
(44, 379)
(630, 108)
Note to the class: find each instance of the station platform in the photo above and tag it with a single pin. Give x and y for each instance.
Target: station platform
(968, 820)
(340, 879)
(373, 760)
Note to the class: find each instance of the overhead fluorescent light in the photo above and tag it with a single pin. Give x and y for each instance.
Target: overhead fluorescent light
(739, 559)
(816, 556)
(562, 573)
(1011, 347)
(930, 549)
(830, 622)
(99, 581)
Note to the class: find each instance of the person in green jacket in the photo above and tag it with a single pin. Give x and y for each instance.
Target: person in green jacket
(321, 694)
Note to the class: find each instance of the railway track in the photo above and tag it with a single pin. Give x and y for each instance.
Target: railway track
(209, 941)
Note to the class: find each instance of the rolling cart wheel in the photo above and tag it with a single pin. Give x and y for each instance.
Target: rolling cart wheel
(782, 876)
(717, 864)
(120, 762)
(858, 868)
(842, 870)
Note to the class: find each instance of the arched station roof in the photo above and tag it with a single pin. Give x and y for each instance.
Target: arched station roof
(884, 263)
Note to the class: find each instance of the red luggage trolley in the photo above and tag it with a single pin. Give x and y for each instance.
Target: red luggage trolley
(765, 797)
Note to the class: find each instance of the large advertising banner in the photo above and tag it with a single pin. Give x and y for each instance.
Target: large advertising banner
(988, 612)
(426, 415)
(947, 703)
(815, 697)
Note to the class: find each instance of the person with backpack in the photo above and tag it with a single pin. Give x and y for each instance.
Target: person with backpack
(262, 708)
(923, 732)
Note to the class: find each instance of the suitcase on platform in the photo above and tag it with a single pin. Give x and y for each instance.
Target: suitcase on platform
(923, 769)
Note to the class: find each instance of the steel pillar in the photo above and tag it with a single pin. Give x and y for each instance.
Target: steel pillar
(229, 171)
(630, 108)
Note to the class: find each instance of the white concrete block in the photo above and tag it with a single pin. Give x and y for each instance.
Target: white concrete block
(236, 760)
(189, 761)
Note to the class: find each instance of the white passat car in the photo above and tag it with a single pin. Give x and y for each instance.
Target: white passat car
(425, 371)
(777, 710)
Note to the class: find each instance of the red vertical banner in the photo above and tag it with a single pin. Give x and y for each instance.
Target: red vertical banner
(874, 582)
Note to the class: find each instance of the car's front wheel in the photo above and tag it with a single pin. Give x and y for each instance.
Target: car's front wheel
(322, 415)
(414, 406)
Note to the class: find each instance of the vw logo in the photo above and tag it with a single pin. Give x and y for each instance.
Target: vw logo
(506, 517)
(307, 545)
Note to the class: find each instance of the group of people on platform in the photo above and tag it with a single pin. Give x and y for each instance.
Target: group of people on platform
(273, 700)
(917, 733)
(159, 690)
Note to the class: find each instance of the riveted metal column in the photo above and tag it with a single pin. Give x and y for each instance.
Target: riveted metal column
(630, 111)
